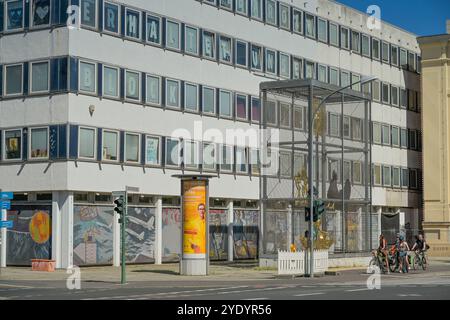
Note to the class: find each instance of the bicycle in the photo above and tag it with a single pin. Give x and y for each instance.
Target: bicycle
(378, 260)
(419, 260)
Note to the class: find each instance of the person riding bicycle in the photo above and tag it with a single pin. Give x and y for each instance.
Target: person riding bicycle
(420, 244)
(383, 249)
(403, 252)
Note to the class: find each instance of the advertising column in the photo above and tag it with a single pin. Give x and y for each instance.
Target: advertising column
(195, 223)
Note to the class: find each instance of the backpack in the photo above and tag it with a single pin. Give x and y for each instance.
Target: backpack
(427, 246)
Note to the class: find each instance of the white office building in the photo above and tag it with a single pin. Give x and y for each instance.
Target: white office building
(94, 101)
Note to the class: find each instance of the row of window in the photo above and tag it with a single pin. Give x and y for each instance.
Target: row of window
(210, 45)
(87, 143)
(110, 81)
(383, 175)
(116, 83)
(388, 135)
(286, 17)
(396, 177)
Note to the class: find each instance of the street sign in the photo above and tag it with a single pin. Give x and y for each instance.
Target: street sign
(6, 196)
(5, 205)
(6, 224)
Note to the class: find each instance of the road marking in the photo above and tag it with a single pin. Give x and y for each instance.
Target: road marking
(257, 299)
(308, 294)
(409, 295)
(166, 293)
(15, 286)
(251, 290)
(354, 290)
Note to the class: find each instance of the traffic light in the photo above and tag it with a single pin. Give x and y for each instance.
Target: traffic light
(319, 209)
(119, 208)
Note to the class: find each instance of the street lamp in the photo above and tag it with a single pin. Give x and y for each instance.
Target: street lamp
(311, 162)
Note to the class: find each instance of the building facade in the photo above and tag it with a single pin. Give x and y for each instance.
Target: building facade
(436, 98)
(94, 95)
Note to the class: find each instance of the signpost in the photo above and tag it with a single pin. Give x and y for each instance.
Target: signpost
(5, 204)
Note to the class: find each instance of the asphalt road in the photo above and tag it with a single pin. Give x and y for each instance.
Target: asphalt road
(348, 285)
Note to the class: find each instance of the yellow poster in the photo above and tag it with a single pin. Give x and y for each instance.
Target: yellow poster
(40, 227)
(194, 219)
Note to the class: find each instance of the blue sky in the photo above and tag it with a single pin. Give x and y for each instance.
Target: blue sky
(422, 17)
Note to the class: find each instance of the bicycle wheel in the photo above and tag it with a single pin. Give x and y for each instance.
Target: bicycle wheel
(424, 263)
(373, 263)
(416, 262)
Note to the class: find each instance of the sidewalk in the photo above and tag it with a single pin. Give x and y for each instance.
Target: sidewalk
(166, 272)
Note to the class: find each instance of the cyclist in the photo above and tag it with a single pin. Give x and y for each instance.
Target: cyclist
(383, 249)
(403, 252)
(420, 244)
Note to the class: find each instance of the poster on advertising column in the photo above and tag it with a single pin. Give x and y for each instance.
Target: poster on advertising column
(194, 219)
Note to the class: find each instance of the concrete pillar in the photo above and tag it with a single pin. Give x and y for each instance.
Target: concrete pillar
(62, 235)
(56, 228)
(3, 243)
(230, 223)
(116, 240)
(289, 228)
(158, 231)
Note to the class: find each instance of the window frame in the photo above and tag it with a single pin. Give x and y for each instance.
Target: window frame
(404, 143)
(261, 9)
(4, 156)
(379, 125)
(403, 185)
(403, 66)
(375, 40)
(95, 77)
(95, 27)
(399, 176)
(236, 95)
(94, 158)
(380, 167)
(214, 100)
(288, 27)
(308, 15)
(247, 160)
(301, 69)
(336, 44)
(147, 102)
(103, 82)
(197, 30)
(245, 14)
(139, 94)
(210, 169)
(197, 97)
(412, 68)
(302, 125)
(377, 98)
(326, 30)
(166, 145)
(117, 145)
(341, 30)
(385, 44)
(236, 54)
(349, 135)
(398, 136)
(119, 18)
(266, 7)
(385, 167)
(196, 164)
(396, 89)
(159, 150)
(179, 35)
(266, 110)
(338, 78)
(360, 181)
(138, 149)
(338, 129)
(352, 43)
(213, 45)
(30, 131)
(290, 116)
(5, 26)
(261, 56)
(225, 7)
(395, 62)
(138, 27)
(31, 22)
(313, 73)
(369, 43)
(300, 12)
(167, 105)
(383, 86)
(231, 103)
(158, 44)
(354, 121)
(288, 56)
(253, 98)
(275, 55)
(30, 83)
(415, 181)
(319, 66)
(221, 36)
(230, 147)
(383, 142)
